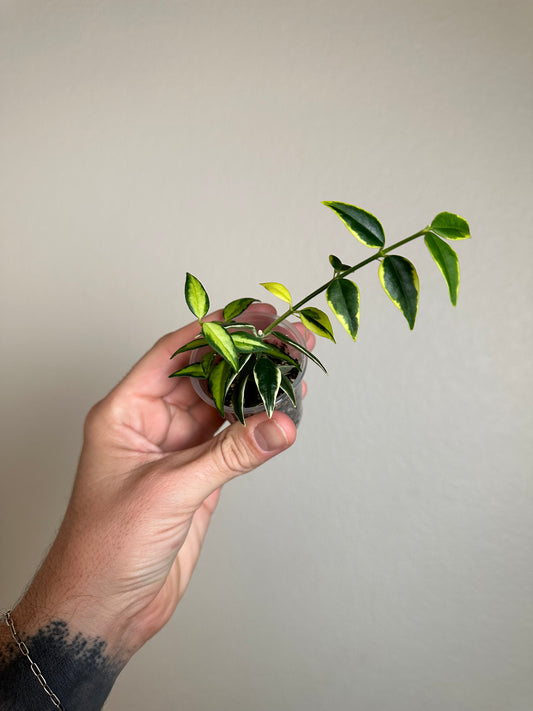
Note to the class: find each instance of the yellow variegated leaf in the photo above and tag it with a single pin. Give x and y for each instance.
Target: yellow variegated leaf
(278, 290)
(400, 281)
(343, 299)
(196, 296)
(317, 322)
(220, 341)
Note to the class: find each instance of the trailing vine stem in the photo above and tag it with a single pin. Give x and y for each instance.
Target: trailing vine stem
(346, 272)
(241, 359)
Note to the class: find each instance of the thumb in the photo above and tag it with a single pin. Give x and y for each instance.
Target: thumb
(234, 451)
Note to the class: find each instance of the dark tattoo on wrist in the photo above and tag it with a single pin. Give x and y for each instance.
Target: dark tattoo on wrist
(77, 668)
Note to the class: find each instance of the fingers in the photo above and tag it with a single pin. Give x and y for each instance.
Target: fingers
(150, 375)
(234, 451)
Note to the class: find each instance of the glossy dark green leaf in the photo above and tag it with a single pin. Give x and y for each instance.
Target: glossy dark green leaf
(317, 321)
(220, 341)
(287, 388)
(450, 226)
(237, 401)
(298, 346)
(335, 262)
(278, 290)
(193, 370)
(235, 308)
(343, 298)
(218, 384)
(447, 261)
(361, 224)
(400, 281)
(191, 346)
(244, 361)
(268, 379)
(196, 296)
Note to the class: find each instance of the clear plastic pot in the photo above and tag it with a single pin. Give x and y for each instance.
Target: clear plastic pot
(283, 404)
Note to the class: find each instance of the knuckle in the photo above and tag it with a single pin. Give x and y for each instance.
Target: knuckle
(164, 339)
(235, 455)
(104, 411)
(168, 343)
(92, 417)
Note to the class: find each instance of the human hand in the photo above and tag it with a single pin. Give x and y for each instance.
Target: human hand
(148, 481)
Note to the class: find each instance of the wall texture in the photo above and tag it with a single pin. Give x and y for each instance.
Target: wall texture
(384, 563)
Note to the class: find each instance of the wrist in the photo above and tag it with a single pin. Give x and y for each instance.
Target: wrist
(49, 658)
(54, 599)
(74, 585)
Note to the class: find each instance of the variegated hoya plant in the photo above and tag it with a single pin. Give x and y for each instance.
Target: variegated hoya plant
(239, 354)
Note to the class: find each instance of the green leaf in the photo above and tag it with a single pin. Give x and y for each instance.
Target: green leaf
(450, 226)
(361, 224)
(287, 388)
(343, 299)
(193, 370)
(447, 261)
(284, 369)
(281, 355)
(317, 321)
(247, 343)
(208, 362)
(234, 308)
(298, 346)
(268, 379)
(237, 401)
(243, 361)
(278, 290)
(220, 341)
(335, 262)
(400, 281)
(196, 296)
(191, 346)
(239, 386)
(218, 384)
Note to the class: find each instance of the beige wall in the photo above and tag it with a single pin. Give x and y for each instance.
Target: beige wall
(384, 563)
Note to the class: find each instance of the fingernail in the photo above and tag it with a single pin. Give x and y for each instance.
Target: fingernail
(269, 436)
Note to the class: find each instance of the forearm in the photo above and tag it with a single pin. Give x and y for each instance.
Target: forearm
(68, 639)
